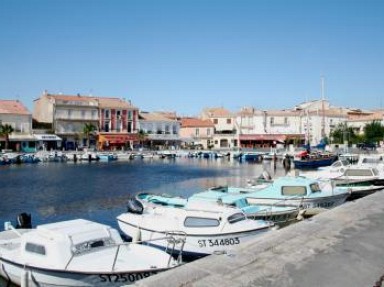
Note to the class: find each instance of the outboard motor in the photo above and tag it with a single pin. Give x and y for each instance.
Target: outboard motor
(24, 221)
(135, 206)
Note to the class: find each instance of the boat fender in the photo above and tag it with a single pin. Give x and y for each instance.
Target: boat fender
(135, 206)
(24, 278)
(24, 221)
(266, 176)
(137, 237)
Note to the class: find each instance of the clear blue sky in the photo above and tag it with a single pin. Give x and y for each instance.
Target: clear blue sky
(184, 56)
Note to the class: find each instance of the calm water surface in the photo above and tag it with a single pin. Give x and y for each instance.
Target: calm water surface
(99, 191)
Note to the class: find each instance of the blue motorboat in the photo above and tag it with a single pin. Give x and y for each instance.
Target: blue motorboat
(309, 160)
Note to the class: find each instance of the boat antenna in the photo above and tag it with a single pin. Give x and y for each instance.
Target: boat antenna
(322, 108)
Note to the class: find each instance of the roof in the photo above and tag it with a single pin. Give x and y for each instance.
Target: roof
(116, 103)
(104, 102)
(195, 122)
(155, 116)
(13, 107)
(77, 97)
(217, 113)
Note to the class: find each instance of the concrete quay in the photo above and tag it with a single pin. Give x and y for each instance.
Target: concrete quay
(340, 247)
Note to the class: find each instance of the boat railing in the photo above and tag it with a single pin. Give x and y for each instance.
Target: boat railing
(172, 240)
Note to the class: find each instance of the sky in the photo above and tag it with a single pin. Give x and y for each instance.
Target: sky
(184, 56)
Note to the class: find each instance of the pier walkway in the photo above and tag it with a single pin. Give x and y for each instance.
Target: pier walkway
(338, 248)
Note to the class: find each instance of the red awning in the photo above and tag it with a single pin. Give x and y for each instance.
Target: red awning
(269, 137)
(117, 138)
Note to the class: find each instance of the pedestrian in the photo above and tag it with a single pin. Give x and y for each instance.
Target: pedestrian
(287, 164)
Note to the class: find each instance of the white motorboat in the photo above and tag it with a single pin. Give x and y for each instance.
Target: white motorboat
(76, 253)
(362, 179)
(206, 228)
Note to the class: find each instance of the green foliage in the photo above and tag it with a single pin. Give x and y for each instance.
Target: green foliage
(88, 129)
(6, 130)
(373, 132)
(342, 133)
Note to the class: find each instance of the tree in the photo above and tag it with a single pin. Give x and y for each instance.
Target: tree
(142, 137)
(6, 130)
(344, 133)
(88, 129)
(373, 132)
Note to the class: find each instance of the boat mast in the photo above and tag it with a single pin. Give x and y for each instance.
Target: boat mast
(322, 109)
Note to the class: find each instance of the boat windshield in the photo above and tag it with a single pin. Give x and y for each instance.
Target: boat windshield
(201, 222)
(236, 217)
(294, 190)
(358, 172)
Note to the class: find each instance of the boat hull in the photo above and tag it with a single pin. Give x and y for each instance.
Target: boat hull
(305, 203)
(42, 277)
(196, 245)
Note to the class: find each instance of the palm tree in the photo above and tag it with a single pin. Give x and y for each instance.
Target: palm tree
(88, 129)
(6, 130)
(142, 137)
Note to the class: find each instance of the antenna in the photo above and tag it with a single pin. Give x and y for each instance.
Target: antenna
(322, 109)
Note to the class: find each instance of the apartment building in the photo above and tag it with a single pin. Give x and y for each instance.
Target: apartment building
(197, 133)
(114, 119)
(225, 132)
(67, 115)
(118, 121)
(160, 129)
(15, 114)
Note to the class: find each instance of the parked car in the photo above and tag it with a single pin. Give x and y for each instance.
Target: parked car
(366, 146)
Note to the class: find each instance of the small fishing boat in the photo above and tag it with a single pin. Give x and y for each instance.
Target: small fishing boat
(206, 228)
(306, 159)
(76, 253)
(362, 180)
(299, 191)
(220, 195)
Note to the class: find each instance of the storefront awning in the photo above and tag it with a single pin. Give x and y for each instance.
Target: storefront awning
(117, 138)
(47, 137)
(21, 138)
(266, 137)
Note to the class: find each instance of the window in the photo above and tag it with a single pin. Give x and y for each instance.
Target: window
(236, 218)
(285, 120)
(201, 222)
(118, 115)
(83, 114)
(315, 187)
(69, 113)
(197, 132)
(35, 248)
(358, 172)
(215, 121)
(272, 120)
(229, 121)
(208, 132)
(106, 114)
(293, 190)
(130, 115)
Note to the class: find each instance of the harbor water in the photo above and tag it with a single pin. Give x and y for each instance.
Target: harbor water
(99, 191)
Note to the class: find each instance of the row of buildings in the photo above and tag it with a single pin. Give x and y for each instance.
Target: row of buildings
(57, 122)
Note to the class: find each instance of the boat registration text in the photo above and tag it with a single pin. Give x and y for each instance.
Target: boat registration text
(218, 242)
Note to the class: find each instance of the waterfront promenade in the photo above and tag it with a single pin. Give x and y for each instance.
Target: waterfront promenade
(341, 247)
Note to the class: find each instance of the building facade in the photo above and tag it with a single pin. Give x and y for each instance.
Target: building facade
(225, 131)
(68, 115)
(114, 120)
(197, 133)
(159, 130)
(15, 114)
(118, 121)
